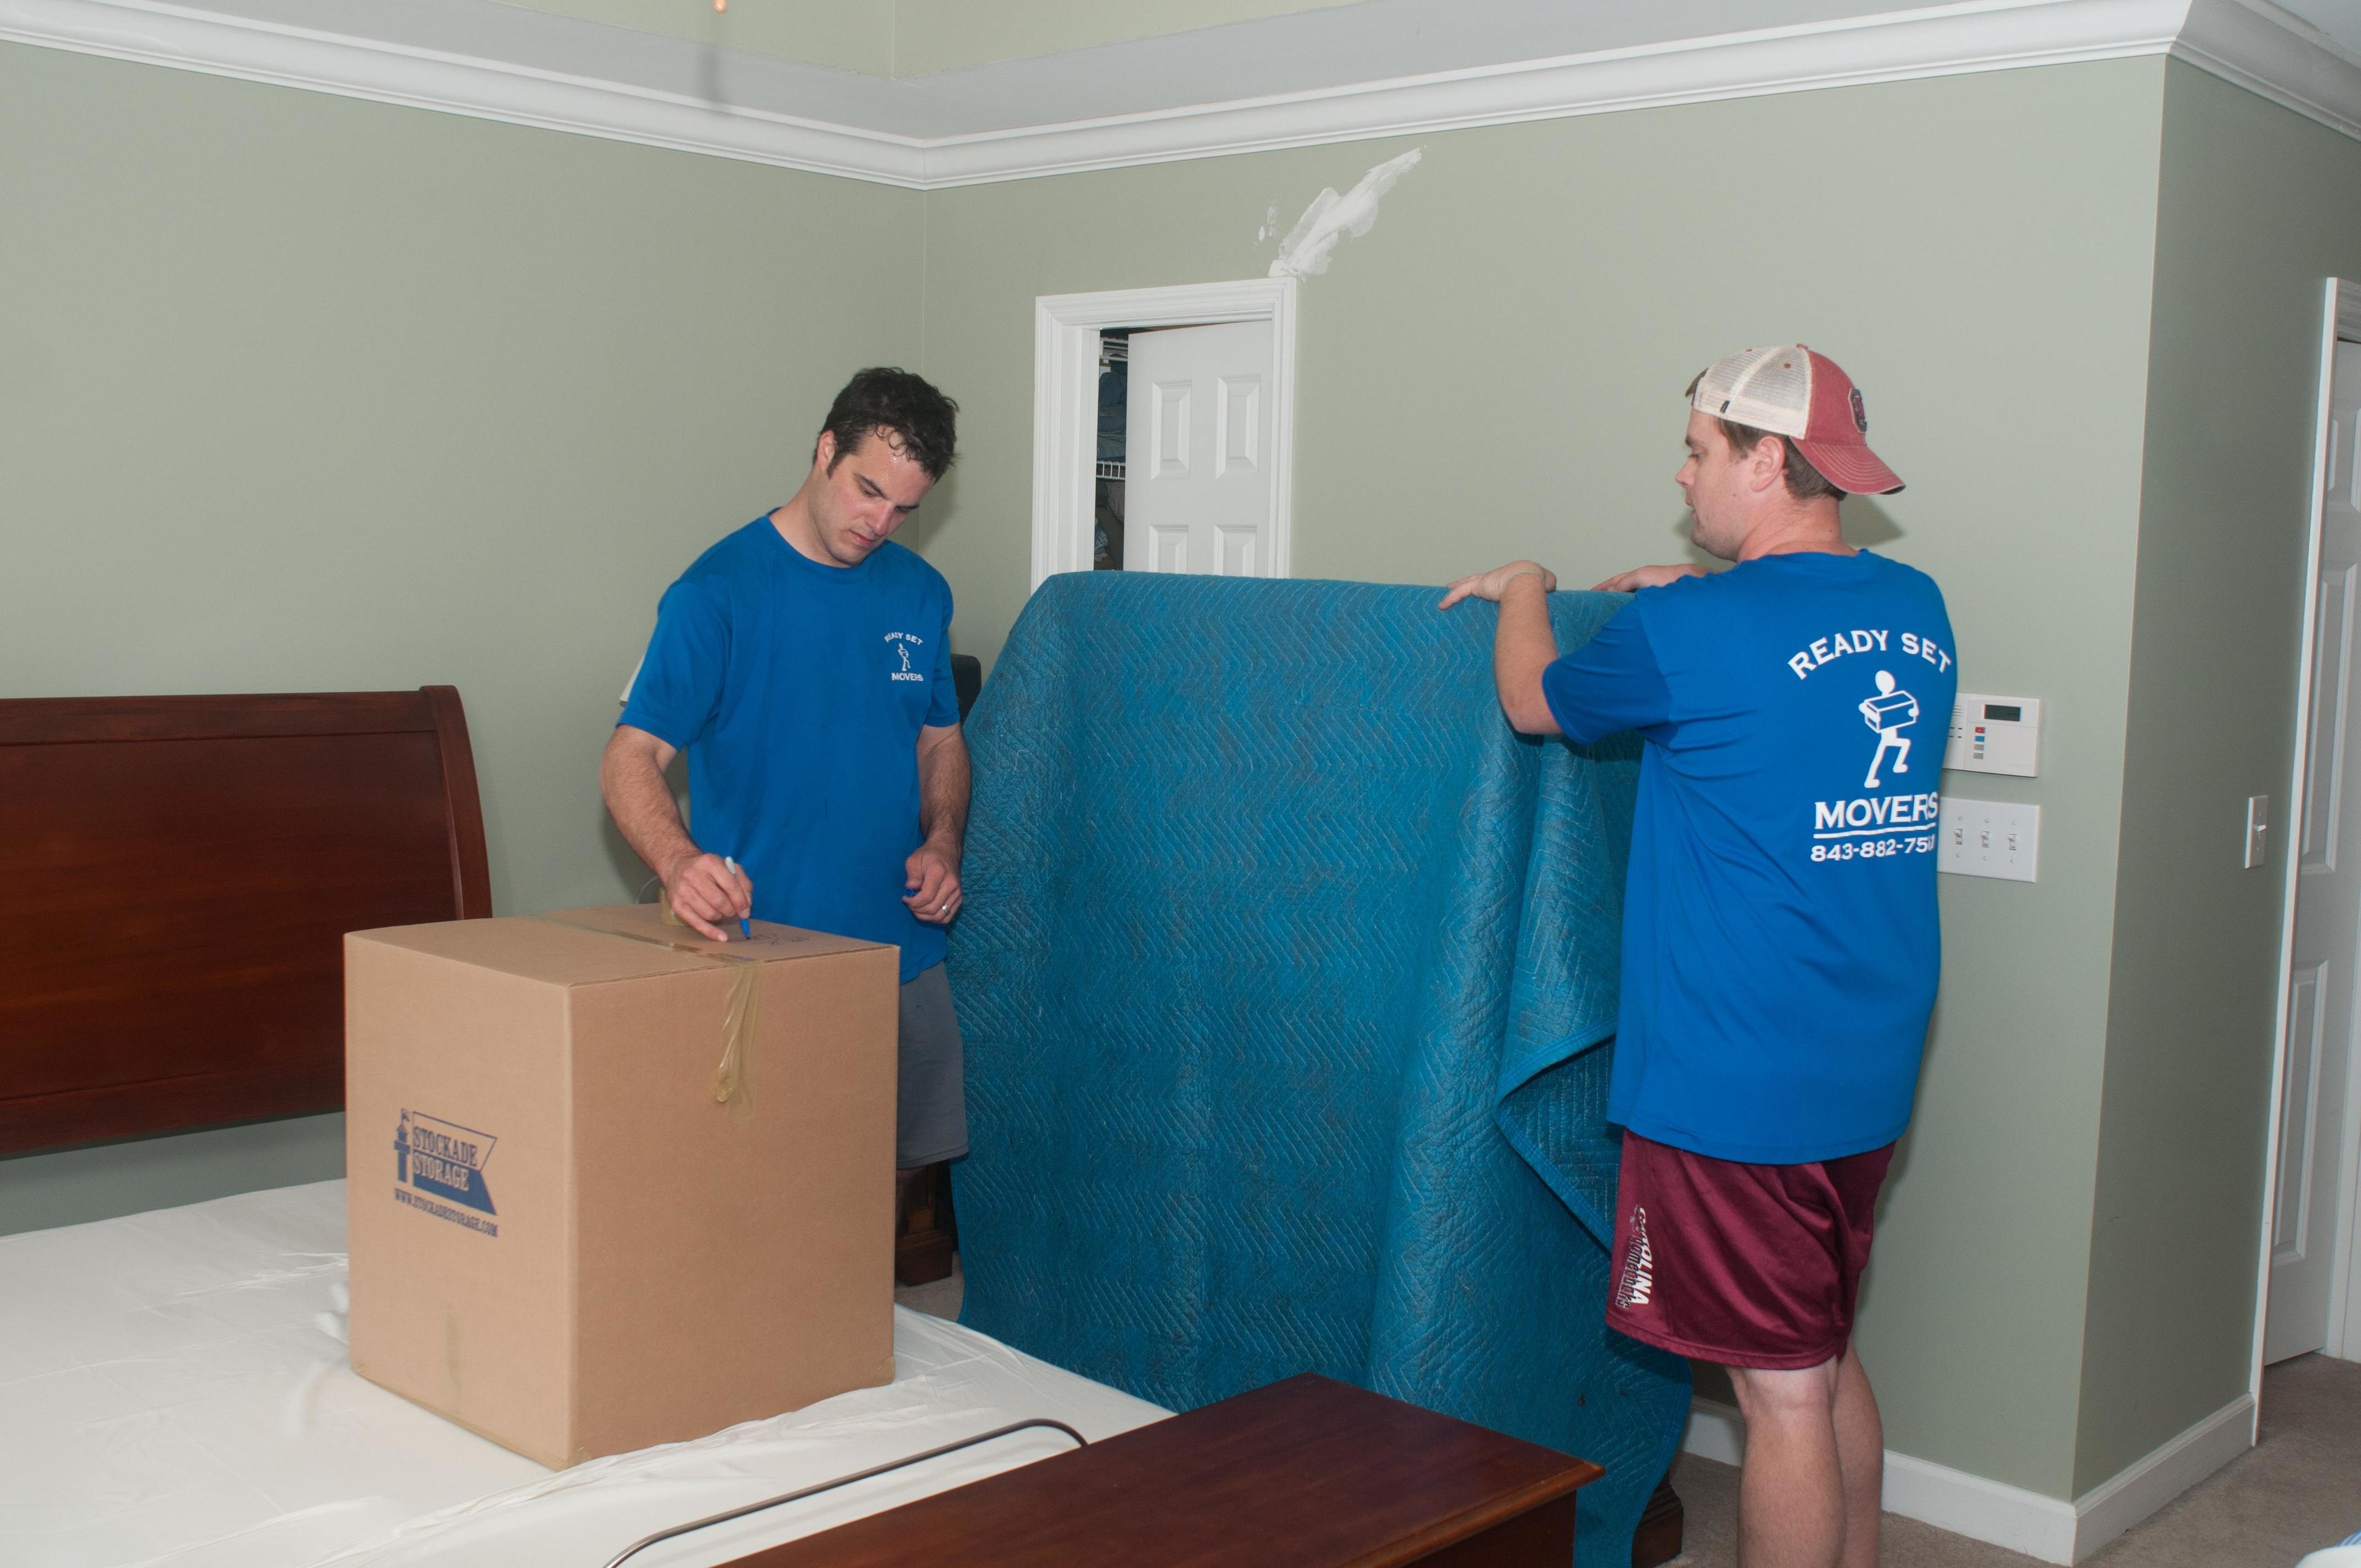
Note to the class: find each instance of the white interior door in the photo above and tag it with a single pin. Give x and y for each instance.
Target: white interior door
(2313, 1199)
(1197, 450)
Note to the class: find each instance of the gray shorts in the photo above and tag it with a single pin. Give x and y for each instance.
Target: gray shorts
(933, 1124)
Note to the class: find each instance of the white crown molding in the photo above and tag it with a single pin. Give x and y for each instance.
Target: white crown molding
(390, 73)
(2257, 48)
(2034, 1523)
(2260, 51)
(1986, 34)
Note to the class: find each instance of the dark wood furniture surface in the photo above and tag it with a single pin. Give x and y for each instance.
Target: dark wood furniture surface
(1308, 1472)
(925, 1230)
(1658, 1538)
(180, 871)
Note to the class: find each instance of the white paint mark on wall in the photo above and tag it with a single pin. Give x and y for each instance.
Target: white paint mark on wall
(1269, 225)
(1304, 253)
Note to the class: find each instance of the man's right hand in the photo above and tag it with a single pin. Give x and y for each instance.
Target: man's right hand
(1639, 577)
(1491, 585)
(706, 893)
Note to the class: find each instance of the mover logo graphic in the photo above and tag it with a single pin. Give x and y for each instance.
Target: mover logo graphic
(903, 642)
(437, 1164)
(1890, 712)
(1877, 826)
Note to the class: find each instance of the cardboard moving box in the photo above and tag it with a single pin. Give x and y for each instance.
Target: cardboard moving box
(576, 1228)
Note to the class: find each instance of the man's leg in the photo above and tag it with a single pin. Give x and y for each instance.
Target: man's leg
(1814, 1479)
(1791, 1492)
(1861, 1453)
(932, 1111)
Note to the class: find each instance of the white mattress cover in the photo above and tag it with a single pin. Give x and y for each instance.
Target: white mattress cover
(174, 1389)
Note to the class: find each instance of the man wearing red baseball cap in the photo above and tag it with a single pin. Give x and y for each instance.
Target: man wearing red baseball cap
(1780, 939)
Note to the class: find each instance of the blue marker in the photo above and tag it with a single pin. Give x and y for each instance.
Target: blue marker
(744, 930)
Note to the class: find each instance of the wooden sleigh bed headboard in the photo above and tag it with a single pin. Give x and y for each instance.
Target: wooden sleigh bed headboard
(177, 875)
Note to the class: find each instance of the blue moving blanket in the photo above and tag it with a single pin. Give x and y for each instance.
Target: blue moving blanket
(1285, 971)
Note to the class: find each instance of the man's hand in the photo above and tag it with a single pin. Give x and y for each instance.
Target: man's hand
(1639, 577)
(934, 883)
(933, 868)
(1523, 644)
(705, 892)
(1491, 585)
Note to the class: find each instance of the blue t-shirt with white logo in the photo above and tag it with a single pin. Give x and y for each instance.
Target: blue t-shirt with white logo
(1780, 939)
(797, 691)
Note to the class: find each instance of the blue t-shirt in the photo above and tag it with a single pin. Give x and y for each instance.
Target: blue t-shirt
(797, 691)
(1780, 939)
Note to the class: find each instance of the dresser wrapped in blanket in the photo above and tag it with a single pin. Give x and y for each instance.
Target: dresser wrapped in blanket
(1288, 976)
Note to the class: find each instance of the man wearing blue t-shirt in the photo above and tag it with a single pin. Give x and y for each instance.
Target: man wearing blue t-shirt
(803, 665)
(1779, 938)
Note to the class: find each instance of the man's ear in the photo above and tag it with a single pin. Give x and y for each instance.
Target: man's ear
(1766, 466)
(824, 451)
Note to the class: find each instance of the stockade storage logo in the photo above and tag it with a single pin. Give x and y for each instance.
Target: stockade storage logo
(438, 1164)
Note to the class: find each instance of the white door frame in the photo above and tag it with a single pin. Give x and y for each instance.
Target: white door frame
(2340, 319)
(1066, 329)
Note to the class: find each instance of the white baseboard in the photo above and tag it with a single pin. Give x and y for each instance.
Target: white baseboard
(2031, 1522)
(2028, 1521)
(2114, 1506)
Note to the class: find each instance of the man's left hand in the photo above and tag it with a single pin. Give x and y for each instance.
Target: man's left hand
(934, 883)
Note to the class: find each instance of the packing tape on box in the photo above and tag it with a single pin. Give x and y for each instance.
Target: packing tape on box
(733, 1080)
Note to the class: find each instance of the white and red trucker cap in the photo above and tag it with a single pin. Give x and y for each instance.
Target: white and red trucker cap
(1789, 391)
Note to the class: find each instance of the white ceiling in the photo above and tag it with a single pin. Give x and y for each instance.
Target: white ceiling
(1378, 67)
(1315, 51)
(2340, 19)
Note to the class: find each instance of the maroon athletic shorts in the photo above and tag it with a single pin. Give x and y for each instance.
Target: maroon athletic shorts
(1741, 1264)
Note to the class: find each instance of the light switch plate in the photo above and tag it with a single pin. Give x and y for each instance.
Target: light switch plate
(2258, 827)
(1990, 838)
(1995, 735)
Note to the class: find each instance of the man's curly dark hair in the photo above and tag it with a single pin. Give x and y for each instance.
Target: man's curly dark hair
(905, 408)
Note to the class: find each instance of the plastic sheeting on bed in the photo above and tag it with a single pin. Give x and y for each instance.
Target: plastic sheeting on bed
(175, 1390)
(1282, 969)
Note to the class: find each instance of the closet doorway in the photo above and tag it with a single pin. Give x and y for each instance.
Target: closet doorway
(2310, 1296)
(1163, 430)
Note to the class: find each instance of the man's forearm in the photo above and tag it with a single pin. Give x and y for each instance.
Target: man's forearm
(1522, 648)
(944, 778)
(643, 807)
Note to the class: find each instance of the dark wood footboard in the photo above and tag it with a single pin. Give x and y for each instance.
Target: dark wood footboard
(1303, 1474)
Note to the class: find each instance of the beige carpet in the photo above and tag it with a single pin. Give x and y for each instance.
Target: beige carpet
(2296, 1491)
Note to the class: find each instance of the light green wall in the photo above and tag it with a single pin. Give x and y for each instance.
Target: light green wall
(102, 1181)
(304, 393)
(2259, 206)
(1496, 370)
